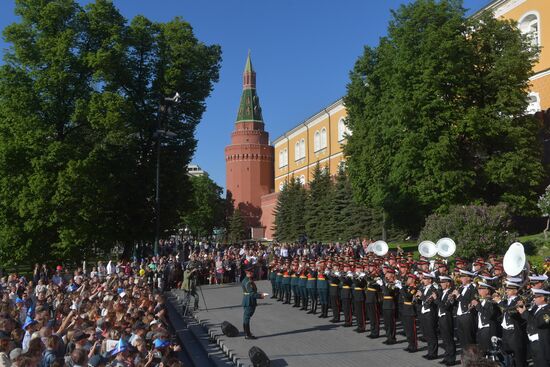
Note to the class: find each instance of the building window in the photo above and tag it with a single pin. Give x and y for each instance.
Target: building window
(302, 148)
(534, 103)
(302, 180)
(529, 24)
(297, 155)
(283, 158)
(341, 130)
(323, 138)
(317, 141)
(281, 186)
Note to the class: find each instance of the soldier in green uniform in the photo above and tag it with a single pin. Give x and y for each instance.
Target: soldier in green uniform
(322, 289)
(334, 293)
(311, 287)
(279, 282)
(302, 285)
(273, 277)
(250, 295)
(286, 284)
(294, 280)
(359, 284)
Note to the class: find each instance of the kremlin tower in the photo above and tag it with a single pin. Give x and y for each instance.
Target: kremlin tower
(249, 159)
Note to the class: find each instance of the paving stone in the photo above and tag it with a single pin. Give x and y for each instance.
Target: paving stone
(293, 338)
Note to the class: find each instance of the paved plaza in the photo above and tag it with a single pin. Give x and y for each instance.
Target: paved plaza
(293, 338)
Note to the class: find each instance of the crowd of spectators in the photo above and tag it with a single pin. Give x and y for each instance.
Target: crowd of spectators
(111, 314)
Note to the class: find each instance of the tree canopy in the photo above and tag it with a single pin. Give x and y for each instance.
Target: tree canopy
(82, 95)
(437, 111)
(207, 207)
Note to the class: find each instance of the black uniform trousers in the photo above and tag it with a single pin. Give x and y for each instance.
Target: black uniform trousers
(359, 307)
(389, 324)
(373, 313)
(515, 341)
(446, 330)
(429, 322)
(346, 309)
(466, 329)
(409, 326)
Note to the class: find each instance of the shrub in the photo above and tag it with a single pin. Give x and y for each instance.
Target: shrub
(478, 230)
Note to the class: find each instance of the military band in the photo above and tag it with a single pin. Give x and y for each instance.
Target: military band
(470, 304)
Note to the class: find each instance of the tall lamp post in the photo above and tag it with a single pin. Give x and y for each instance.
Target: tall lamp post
(159, 134)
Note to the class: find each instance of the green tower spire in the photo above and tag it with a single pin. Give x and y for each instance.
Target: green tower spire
(249, 108)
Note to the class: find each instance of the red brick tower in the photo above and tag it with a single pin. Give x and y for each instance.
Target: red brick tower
(249, 158)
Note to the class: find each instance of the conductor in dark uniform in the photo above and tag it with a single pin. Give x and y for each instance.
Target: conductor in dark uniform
(250, 295)
(538, 327)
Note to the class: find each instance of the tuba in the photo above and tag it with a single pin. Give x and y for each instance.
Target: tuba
(380, 248)
(446, 247)
(427, 249)
(515, 262)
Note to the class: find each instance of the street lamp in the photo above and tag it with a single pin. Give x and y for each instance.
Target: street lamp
(159, 134)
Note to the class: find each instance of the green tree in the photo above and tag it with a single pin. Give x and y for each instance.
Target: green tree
(237, 229)
(437, 111)
(207, 206)
(80, 92)
(317, 213)
(478, 230)
(289, 223)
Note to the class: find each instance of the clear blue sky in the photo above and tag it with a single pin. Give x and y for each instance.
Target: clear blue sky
(302, 51)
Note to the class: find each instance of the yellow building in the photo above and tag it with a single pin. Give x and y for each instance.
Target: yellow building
(533, 17)
(319, 139)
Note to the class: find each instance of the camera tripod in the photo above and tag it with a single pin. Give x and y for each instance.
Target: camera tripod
(187, 310)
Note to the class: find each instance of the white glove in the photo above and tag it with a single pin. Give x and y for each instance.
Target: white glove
(380, 282)
(398, 284)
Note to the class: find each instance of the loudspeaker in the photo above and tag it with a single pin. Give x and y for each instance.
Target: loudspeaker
(229, 329)
(258, 357)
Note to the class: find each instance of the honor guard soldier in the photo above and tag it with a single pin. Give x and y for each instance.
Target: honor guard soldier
(302, 284)
(322, 289)
(428, 314)
(408, 312)
(538, 327)
(311, 287)
(445, 302)
(389, 305)
(294, 280)
(359, 283)
(279, 282)
(273, 277)
(250, 295)
(488, 314)
(372, 293)
(514, 337)
(465, 316)
(286, 284)
(346, 283)
(334, 293)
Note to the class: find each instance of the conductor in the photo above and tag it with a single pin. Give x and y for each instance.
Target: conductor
(250, 295)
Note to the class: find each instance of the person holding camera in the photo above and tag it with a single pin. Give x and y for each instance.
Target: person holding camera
(189, 284)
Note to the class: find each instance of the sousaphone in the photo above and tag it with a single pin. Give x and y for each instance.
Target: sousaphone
(427, 248)
(445, 247)
(380, 248)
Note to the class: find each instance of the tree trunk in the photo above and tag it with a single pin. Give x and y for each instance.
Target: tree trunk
(546, 229)
(384, 234)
